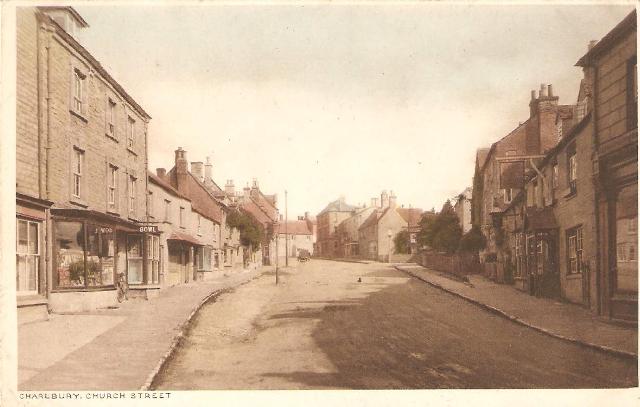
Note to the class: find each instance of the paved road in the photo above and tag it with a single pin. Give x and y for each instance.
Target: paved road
(321, 328)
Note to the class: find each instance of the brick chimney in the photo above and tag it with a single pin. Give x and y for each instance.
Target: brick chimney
(374, 202)
(229, 188)
(541, 129)
(208, 169)
(384, 199)
(182, 171)
(246, 192)
(197, 169)
(161, 173)
(392, 200)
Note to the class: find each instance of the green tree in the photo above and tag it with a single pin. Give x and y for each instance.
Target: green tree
(251, 232)
(441, 232)
(401, 242)
(473, 240)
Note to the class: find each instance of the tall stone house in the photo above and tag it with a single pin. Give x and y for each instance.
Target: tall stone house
(81, 154)
(347, 232)
(610, 67)
(328, 220)
(462, 207)
(297, 235)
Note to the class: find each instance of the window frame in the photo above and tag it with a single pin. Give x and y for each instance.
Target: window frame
(26, 255)
(77, 172)
(575, 250)
(112, 188)
(572, 168)
(131, 133)
(111, 119)
(131, 201)
(78, 92)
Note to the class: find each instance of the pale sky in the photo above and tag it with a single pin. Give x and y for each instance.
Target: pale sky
(330, 100)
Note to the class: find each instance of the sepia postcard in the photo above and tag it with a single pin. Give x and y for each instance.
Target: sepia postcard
(351, 203)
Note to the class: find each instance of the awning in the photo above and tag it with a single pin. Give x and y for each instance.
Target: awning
(541, 219)
(184, 238)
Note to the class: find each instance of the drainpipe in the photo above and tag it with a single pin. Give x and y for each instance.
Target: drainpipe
(596, 195)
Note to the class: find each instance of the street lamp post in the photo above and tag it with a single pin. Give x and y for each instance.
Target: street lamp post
(286, 231)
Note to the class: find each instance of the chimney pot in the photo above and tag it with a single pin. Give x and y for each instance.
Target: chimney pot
(592, 44)
(550, 90)
(533, 95)
(208, 169)
(161, 172)
(543, 90)
(197, 169)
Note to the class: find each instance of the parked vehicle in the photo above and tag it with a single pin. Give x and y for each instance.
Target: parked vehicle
(303, 255)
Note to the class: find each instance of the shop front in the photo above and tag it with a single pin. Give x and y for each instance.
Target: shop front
(183, 260)
(90, 251)
(31, 281)
(540, 240)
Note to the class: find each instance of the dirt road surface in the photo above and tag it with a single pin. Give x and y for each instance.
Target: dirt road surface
(322, 329)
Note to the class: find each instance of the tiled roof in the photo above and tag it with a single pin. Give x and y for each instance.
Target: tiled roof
(294, 227)
(372, 219)
(165, 185)
(410, 215)
(185, 238)
(338, 206)
(250, 206)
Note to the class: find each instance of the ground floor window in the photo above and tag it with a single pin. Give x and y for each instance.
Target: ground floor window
(574, 250)
(84, 255)
(134, 259)
(627, 239)
(27, 256)
(203, 258)
(153, 259)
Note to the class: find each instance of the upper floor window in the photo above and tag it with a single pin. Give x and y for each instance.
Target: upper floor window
(510, 153)
(78, 99)
(111, 118)
(131, 132)
(112, 186)
(199, 225)
(181, 218)
(167, 210)
(508, 195)
(573, 167)
(150, 203)
(132, 195)
(78, 164)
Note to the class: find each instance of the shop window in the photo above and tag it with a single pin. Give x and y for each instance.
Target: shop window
(153, 259)
(574, 252)
(84, 255)
(203, 258)
(27, 257)
(78, 170)
(134, 259)
(69, 249)
(627, 240)
(100, 254)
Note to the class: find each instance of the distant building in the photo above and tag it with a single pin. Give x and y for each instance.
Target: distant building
(462, 208)
(300, 237)
(347, 232)
(327, 222)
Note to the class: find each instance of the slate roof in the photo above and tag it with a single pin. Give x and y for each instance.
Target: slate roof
(411, 215)
(294, 227)
(338, 206)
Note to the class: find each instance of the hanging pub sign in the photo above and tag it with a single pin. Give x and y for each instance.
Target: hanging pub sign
(149, 229)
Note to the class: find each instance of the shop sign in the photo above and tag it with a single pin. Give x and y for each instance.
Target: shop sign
(148, 229)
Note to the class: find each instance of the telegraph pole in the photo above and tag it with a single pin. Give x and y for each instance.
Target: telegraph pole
(286, 231)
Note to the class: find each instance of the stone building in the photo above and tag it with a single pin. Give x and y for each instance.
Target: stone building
(377, 232)
(328, 220)
(462, 207)
(499, 175)
(610, 67)
(189, 239)
(297, 235)
(81, 153)
(347, 231)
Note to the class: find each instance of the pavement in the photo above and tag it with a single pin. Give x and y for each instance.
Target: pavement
(565, 321)
(335, 325)
(113, 349)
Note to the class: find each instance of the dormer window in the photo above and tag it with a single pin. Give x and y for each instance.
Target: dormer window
(66, 17)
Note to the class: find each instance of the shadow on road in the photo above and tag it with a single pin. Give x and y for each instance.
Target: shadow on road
(411, 335)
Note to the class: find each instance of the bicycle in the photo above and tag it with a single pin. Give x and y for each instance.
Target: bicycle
(122, 287)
